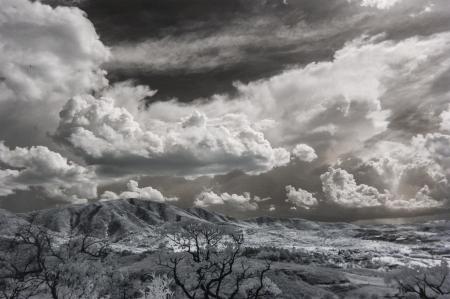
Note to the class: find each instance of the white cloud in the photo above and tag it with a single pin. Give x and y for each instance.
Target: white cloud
(8, 179)
(425, 159)
(99, 128)
(422, 200)
(416, 174)
(445, 120)
(191, 52)
(192, 145)
(340, 187)
(41, 46)
(380, 4)
(47, 55)
(146, 193)
(300, 198)
(129, 96)
(304, 152)
(39, 167)
(235, 202)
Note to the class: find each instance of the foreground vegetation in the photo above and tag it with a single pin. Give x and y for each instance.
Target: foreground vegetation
(205, 261)
(199, 260)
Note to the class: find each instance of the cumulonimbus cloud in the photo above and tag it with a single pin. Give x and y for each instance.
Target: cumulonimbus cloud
(340, 187)
(47, 55)
(193, 145)
(415, 174)
(417, 169)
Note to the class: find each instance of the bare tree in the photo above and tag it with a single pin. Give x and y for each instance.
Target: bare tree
(207, 262)
(38, 259)
(424, 282)
(21, 262)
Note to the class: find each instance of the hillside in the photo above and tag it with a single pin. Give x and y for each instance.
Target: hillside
(115, 219)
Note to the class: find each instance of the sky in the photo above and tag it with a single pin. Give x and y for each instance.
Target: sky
(328, 110)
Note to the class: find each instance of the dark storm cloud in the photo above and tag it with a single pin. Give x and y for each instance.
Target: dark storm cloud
(202, 64)
(193, 49)
(184, 49)
(138, 20)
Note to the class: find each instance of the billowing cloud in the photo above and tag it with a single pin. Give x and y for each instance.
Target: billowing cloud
(422, 200)
(145, 193)
(340, 187)
(46, 56)
(304, 152)
(38, 167)
(192, 145)
(415, 174)
(99, 128)
(300, 198)
(241, 203)
(129, 96)
(333, 106)
(407, 168)
(41, 45)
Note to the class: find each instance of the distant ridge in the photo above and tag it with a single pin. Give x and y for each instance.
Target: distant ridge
(115, 219)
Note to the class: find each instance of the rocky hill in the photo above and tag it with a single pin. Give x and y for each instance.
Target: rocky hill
(114, 219)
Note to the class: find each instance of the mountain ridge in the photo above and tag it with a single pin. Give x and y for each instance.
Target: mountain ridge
(118, 218)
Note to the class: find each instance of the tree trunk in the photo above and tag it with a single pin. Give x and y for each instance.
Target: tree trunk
(54, 293)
